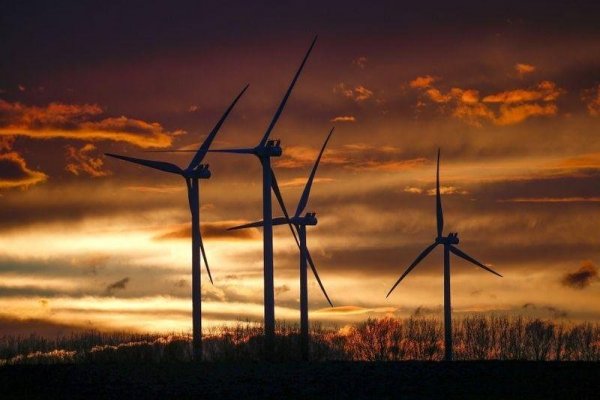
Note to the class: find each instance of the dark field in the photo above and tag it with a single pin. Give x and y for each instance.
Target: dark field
(498, 358)
(375, 380)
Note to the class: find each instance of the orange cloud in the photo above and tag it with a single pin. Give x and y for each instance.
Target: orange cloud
(156, 189)
(355, 310)
(544, 91)
(82, 161)
(523, 69)
(358, 94)
(301, 156)
(553, 200)
(360, 62)
(510, 115)
(473, 113)
(79, 122)
(6, 143)
(437, 96)
(422, 81)
(591, 98)
(584, 161)
(15, 173)
(343, 118)
(447, 190)
(413, 190)
(357, 157)
(514, 106)
(302, 181)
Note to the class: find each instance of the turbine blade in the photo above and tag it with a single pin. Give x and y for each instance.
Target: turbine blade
(205, 260)
(281, 221)
(275, 221)
(467, 257)
(159, 165)
(208, 141)
(170, 151)
(275, 187)
(304, 198)
(237, 151)
(438, 200)
(413, 265)
(246, 226)
(285, 98)
(314, 270)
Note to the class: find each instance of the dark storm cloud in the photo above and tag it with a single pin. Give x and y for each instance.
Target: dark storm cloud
(582, 278)
(121, 284)
(74, 203)
(211, 230)
(45, 328)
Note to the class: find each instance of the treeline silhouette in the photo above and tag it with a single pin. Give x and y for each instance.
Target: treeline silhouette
(387, 339)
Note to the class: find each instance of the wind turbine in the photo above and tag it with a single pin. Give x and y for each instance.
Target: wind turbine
(194, 171)
(448, 242)
(264, 150)
(300, 223)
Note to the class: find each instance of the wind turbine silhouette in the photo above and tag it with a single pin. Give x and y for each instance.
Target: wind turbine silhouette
(194, 171)
(266, 149)
(300, 223)
(448, 242)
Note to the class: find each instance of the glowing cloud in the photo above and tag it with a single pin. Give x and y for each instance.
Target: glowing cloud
(523, 69)
(512, 106)
(591, 97)
(357, 157)
(343, 118)
(15, 173)
(422, 81)
(358, 94)
(82, 161)
(79, 122)
(544, 91)
(360, 62)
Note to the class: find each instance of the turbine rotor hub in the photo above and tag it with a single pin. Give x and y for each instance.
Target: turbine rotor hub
(452, 238)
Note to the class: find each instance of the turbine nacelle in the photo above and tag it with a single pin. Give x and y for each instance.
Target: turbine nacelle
(308, 219)
(200, 172)
(272, 148)
(452, 238)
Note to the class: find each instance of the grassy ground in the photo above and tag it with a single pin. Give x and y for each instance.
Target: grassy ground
(337, 380)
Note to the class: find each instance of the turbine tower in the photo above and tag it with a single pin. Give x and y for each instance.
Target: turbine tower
(192, 174)
(266, 149)
(449, 243)
(300, 223)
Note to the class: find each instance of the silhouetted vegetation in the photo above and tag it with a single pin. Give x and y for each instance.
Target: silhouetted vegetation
(387, 339)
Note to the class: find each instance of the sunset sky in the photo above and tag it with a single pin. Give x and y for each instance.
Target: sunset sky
(509, 91)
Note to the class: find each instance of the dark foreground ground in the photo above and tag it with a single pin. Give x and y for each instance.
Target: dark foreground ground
(337, 380)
